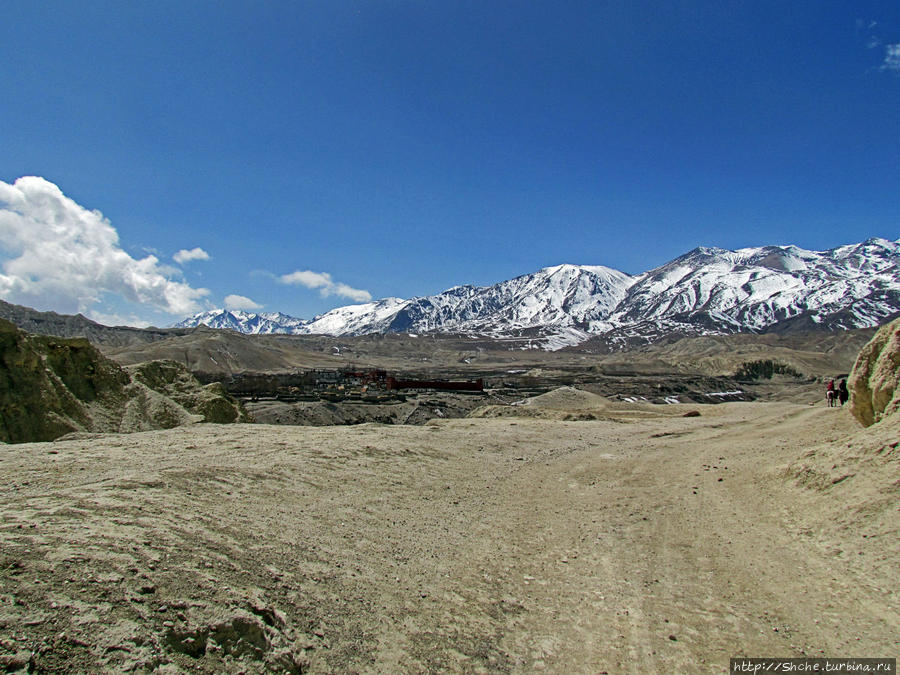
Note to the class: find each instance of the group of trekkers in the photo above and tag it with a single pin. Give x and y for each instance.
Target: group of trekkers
(833, 395)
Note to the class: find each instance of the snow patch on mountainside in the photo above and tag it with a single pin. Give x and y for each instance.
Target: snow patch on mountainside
(369, 317)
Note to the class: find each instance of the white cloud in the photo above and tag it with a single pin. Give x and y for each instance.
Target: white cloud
(308, 279)
(57, 254)
(891, 57)
(346, 291)
(184, 255)
(326, 285)
(241, 302)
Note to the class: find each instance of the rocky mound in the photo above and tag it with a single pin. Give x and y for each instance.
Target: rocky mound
(52, 386)
(562, 403)
(874, 393)
(568, 398)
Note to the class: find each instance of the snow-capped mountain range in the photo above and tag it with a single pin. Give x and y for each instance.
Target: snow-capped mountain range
(705, 291)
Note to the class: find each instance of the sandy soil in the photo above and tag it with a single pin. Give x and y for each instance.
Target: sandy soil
(635, 543)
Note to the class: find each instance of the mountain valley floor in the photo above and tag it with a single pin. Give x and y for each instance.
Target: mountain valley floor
(640, 541)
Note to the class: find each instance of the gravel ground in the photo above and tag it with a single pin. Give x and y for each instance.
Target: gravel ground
(635, 543)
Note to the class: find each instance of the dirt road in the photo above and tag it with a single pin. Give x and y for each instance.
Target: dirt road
(643, 543)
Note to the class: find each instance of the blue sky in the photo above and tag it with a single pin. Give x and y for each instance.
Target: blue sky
(319, 153)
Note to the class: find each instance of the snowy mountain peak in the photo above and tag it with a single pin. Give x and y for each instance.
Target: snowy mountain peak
(707, 251)
(246, 322)
(707, 290)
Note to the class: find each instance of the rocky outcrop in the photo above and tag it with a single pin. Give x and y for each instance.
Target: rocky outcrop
(176, 382)
(873, 384)
(52, 386)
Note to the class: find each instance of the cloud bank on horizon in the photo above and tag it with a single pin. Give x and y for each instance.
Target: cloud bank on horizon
(56, 254)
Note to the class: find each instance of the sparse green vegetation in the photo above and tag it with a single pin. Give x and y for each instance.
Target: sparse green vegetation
(764, 369)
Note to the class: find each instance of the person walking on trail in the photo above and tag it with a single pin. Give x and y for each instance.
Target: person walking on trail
(843, 394)
(830, 393)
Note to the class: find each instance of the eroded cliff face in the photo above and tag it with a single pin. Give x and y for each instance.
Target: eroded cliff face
(873, 384)
(52, 386)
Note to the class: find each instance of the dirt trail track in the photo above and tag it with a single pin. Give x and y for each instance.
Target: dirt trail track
(653, 545)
